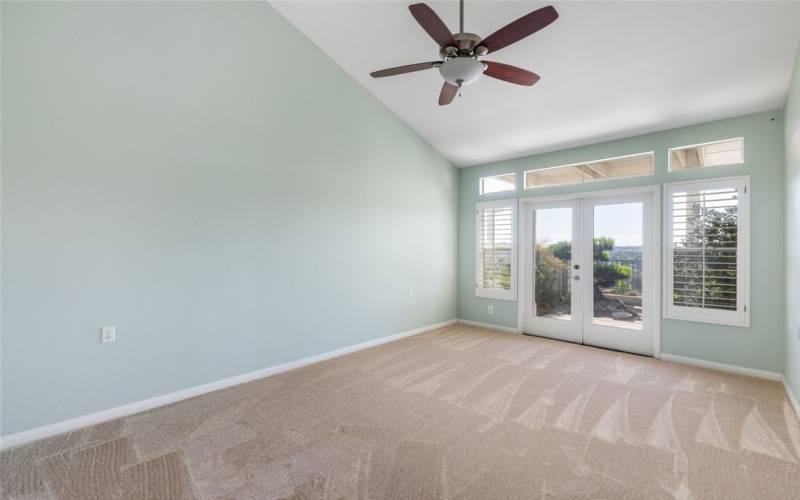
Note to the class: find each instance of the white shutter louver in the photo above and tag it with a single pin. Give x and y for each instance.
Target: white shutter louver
(706, 251)
(496, 253)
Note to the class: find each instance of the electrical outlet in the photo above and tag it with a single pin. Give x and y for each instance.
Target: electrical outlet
(108, 334)
(411, 292)
(491, 309)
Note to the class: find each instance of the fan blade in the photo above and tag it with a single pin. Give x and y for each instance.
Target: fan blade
(432, 24)
(509, 73)
(519, 29)
(408, 68)
(447, 94)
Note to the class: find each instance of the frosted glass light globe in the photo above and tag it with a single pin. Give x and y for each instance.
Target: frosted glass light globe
(461, 71)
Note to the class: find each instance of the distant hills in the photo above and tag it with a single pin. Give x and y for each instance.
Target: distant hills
(626, 253)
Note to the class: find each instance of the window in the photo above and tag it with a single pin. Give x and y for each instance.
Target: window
(496, 249)
(707, 245)
(599, 170)
(710, 154)
(498, 183)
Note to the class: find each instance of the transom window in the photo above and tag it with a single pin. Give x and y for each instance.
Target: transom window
(498, 183)
(710, 154)
(598, 170)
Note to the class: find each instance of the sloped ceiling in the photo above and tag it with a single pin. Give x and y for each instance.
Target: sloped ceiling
(609, 69)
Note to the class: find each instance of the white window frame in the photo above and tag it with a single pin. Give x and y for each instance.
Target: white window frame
(670, 150)
(493, 293)
(740, 317)
(480, 184)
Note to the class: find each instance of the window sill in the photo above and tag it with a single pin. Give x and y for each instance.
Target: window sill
(496, 295)
(745, 324)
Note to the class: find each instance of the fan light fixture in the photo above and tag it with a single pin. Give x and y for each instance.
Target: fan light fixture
(460, 52)
(461, 71)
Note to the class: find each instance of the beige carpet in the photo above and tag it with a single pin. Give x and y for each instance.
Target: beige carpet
(456, 413)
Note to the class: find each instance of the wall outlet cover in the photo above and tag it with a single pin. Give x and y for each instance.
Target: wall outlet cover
(108, 334)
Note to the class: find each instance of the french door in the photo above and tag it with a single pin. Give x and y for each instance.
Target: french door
(589, 270)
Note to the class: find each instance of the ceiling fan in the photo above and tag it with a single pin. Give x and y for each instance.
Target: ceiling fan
(461, 52)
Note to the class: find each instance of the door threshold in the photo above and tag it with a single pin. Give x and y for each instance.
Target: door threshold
(589, 345)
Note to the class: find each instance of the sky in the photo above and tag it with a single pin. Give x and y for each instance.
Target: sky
(623, 222)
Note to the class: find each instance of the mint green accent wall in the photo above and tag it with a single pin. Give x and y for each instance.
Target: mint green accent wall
(792, 229)
(761, 345)
(203, 177)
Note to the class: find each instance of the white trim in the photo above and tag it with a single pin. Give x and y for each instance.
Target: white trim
(739, 318)
(657, 255)
(23, 437)
(592, 194)
(723, 367)
(790, 395)
(670, 150)
(490, 326)
(583, 181)
(494, 293)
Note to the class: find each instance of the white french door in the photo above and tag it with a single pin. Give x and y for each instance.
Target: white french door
(589, 269)
(552, 297)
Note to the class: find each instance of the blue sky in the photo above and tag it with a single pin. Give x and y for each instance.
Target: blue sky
(623, 222)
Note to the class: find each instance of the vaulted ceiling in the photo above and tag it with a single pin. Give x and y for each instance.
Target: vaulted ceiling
(609, 69)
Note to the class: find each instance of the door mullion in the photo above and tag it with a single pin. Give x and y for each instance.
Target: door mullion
(578, 237)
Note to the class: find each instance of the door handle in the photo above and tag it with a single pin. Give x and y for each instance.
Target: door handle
(576, 277)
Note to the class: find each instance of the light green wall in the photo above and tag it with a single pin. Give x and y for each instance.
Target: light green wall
(761, 345)
(792, 140)
(203, 177)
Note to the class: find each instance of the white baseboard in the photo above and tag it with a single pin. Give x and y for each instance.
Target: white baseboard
(713, 365)
(488, 325)
(72, 424)
(791, 396)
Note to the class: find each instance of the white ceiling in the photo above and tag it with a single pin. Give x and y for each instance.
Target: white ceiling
(609, 69)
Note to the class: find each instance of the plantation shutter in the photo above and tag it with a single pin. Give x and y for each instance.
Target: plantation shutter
(707, 251)
(496, 251)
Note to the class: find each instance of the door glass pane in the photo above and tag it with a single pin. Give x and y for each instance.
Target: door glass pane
(553, 253)
(617, 256)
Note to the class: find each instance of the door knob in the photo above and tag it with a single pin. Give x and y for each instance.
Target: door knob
(576, 267)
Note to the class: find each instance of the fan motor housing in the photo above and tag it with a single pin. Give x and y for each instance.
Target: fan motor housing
(467, 44)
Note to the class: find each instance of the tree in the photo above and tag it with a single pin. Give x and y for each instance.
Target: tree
(606, 274)
(552, 279)
(553, 262)
(562, 250)
(706, 258)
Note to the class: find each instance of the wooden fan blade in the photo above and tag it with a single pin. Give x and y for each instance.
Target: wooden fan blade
(432, 24)
(509, 73)
(447, 94)
(408, 68)
(519, 29)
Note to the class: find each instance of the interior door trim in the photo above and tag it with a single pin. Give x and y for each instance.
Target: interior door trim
(522, 226)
